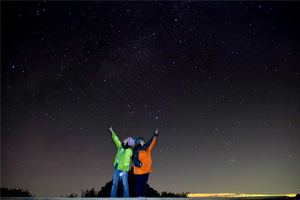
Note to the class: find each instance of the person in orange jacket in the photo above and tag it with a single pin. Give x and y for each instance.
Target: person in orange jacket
(142, 163)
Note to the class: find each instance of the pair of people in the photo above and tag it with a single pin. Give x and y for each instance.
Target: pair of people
(142, 161)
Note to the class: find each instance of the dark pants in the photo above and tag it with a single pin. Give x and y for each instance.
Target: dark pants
(140, 184)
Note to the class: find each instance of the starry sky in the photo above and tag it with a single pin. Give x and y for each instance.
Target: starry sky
(220, 80)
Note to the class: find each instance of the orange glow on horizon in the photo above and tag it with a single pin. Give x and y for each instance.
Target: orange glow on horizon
(237, 195)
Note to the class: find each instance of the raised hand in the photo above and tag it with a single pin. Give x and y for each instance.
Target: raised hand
(156, 131)
(110, 129)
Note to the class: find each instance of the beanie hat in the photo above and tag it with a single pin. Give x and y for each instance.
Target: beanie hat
(130, 141)
(138, 140)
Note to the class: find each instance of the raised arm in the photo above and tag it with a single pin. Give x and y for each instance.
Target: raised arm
(152, 140)
(115, 138)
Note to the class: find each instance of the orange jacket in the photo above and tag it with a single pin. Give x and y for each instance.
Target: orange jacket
(144, 156)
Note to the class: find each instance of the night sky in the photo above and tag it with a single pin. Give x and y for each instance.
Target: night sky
(220, 80)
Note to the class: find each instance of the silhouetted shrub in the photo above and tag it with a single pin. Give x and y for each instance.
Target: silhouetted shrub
(170, 194)
(5, 192)
(89, 193)
(72, 195)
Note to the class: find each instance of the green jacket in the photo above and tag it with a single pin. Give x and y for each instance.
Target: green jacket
(124, 162)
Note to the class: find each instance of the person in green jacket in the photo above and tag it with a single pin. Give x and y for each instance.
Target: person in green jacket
(121, 163)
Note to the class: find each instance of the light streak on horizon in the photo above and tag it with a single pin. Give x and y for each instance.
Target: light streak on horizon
(238, 195)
